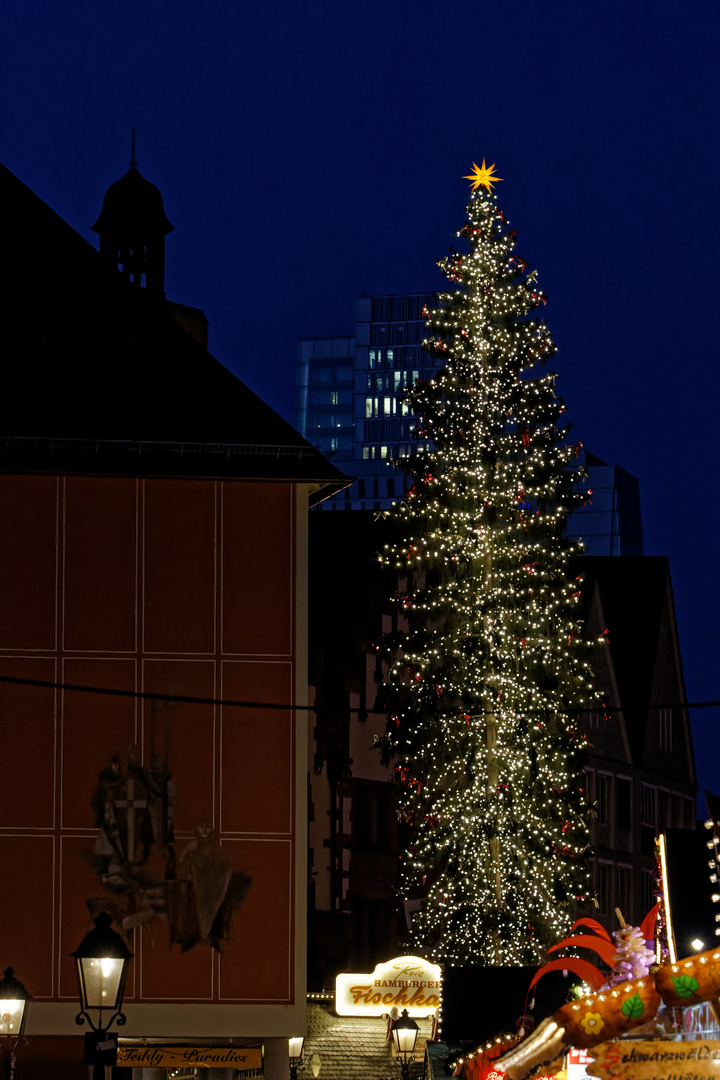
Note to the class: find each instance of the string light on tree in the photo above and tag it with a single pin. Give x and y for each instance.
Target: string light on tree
(481, 681)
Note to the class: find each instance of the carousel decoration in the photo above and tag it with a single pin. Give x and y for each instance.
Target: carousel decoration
(628, 999)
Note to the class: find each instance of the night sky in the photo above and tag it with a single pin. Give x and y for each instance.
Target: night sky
(311, 151)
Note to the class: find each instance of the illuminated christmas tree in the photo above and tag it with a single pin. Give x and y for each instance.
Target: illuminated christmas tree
(483, 683)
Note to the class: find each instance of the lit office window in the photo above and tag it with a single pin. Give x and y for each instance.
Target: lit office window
(390, 356)
(368, 407)
(371, 358)
(383, 451)
(388, 403)
(366, 453)
(397, 379)
(333, 397)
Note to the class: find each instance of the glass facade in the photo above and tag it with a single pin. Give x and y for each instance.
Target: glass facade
(351, 397)
(325, 393)
(610, 522)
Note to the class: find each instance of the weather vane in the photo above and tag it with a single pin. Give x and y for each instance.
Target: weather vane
(482, 176)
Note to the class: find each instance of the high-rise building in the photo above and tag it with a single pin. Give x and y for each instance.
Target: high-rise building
(351, 394)
(350, 405)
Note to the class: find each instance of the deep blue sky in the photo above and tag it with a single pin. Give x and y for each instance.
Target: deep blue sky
(310, 151)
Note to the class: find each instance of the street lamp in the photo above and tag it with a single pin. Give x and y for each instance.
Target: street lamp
(295, 1049)
(405, 1034)
(13, 1014)
(102, 959)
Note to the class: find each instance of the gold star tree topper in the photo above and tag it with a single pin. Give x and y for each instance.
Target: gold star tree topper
(482, 176)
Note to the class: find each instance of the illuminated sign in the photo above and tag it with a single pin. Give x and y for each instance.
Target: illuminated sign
(407, 982)
(203, 1057)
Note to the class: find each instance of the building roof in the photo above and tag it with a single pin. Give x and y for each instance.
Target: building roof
(98, 377)
(352, 1047)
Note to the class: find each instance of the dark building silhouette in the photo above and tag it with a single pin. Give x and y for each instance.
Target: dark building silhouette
(641, 768)
(132, 228)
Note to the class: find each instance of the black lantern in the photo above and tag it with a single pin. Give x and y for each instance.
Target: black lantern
(295, 1051)
(13, 1014)
(405, 1035)
(102, 959)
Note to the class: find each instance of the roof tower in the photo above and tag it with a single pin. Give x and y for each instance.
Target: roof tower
(132, 227)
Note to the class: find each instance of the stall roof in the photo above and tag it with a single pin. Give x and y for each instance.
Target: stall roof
(352, 1047)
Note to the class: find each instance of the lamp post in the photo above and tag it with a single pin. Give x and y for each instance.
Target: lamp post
(405, 1034)
(102, 959)
(13, 1014)
(295, 1049)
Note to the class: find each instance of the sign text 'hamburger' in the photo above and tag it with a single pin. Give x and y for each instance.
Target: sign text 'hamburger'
(407, 982)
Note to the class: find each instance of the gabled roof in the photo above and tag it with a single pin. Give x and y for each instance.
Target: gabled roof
(97, 376)
(633, 594)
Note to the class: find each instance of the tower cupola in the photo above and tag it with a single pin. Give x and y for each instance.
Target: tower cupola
(132, 228)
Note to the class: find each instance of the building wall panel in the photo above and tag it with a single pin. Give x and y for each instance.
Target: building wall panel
(257, 569)
(80, 891)
(28, 561)
(179, 566)
(100, 564)
(167, 974)
(257, 965)
(27, 926)
(184, 735)
(94, 728)
(27, 717)
(133, 566)
(257, 778)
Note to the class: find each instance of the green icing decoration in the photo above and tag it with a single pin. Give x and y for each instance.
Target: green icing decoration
(685, 985)
(632, 1007)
